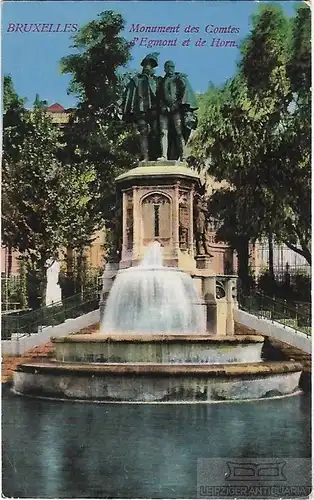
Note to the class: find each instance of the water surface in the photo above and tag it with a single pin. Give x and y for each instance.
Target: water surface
(76, 450)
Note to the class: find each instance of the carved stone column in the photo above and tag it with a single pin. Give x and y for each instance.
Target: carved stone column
(124, 225)
(175, 228)
(209, 288)
(191, 225)
(136, 224)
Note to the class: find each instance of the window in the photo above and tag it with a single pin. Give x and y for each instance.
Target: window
(156, 221)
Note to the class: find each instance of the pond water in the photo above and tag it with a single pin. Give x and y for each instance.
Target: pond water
(75, 450)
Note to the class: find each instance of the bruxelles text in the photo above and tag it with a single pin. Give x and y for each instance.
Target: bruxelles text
(41, 28)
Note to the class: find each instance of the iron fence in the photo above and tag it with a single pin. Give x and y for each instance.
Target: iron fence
(292, 314)
(11, 296)
(55, 314)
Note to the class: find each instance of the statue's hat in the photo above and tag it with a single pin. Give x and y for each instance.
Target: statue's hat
(153, 56)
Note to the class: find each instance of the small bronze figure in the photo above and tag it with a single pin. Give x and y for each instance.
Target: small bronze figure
(201, 225)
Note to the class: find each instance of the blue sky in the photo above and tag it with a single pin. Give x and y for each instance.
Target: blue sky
(32, 59)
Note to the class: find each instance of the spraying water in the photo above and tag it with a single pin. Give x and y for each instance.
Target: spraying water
(152, 298)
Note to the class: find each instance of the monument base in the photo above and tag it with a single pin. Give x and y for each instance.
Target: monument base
(203, 261)
(157, 203)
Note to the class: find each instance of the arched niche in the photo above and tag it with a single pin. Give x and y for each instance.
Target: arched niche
(156, 218)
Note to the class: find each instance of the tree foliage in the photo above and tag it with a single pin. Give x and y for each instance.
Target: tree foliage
(58, 186)
(96, 135)
(254, 132)
(44, 203)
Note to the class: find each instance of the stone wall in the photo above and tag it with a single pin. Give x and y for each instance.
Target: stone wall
(272, 329)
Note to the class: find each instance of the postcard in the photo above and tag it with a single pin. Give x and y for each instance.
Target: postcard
(156, 249)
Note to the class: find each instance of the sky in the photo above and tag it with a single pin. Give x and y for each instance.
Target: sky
(33, 58)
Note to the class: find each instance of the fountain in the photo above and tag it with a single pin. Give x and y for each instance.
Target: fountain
(167, 328)
(152, 348)
(154, 298)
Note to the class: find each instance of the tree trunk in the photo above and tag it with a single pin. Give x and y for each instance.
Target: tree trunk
(81, 269)
(33, 289)
(43, 286)
(69, 286)
(304, 251)
(69, 261)
(243, 263)
(23, 284)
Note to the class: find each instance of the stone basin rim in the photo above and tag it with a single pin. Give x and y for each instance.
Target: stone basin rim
(181, 370)
(129, 402)
(158, 338)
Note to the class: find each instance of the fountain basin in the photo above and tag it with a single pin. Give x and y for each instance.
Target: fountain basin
(158, 348)
(149, 382)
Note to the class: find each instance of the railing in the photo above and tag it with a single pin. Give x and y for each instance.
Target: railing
(9, 307)
(10, 293)
(35, 321)
(294, 315)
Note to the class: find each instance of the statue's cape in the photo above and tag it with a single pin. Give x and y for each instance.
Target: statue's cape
(138, 97)
(189, 98)
(129, 97)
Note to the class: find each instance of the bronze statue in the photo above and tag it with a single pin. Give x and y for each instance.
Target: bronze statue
(201, 225)
(162, 109)
(177, 105)
(140, 106)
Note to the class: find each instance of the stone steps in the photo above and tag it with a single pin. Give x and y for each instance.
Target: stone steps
(279, 348)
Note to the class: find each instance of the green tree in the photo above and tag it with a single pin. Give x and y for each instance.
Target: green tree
(40, 211)
(15, 129)
(243, 134)
(96, 134)
(295, 145)
(283, 87)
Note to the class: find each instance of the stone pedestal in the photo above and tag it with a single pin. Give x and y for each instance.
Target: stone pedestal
(203, 261)
(209, 291)
(157, 201)
(226, 303)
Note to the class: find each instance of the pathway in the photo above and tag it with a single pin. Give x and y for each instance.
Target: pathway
(40, 353)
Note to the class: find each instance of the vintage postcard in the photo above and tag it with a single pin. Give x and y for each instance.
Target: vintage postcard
(156, 249)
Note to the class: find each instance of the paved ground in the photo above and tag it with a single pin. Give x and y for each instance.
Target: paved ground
(40, 353)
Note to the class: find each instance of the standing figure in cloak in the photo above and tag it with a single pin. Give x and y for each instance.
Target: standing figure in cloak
(140, 106)
(200, 212)
(177, 106)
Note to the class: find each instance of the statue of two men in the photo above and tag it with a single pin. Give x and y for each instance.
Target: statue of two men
(162, 108)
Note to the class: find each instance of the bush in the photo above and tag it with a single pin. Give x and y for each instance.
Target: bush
(293, 287)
